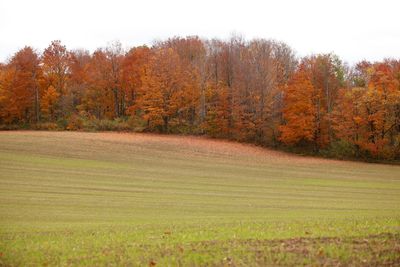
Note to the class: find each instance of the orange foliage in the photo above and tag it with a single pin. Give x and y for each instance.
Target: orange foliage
(49, 103)
(368, 117)
(167, 92)
(20, 92)
(299, 112)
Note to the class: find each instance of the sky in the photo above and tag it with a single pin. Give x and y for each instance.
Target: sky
(352, 29)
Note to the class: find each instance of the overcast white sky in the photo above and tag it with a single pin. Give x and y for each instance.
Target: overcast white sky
(354, 30)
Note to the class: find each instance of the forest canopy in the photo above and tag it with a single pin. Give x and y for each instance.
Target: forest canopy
(255, 91)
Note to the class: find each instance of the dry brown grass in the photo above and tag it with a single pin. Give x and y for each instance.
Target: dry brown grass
(189, 146)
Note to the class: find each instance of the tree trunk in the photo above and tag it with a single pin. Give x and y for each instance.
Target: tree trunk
(37, 105)
(165, 119)
(116, 102)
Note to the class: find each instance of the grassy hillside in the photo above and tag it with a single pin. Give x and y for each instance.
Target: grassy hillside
(69, 198)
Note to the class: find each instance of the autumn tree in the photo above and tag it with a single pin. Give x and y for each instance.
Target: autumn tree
(265, 67)
(327, 76)
(167, 92)
(348, 118)
(114, 57)
(216, 121)
(381, 102)
(299, 110)
(49, 103)
(105, 96)
(98, 97)
(78, 80)
(192, 54)
(56, 61)
(133, 70)
(368, 116)
(20, 85)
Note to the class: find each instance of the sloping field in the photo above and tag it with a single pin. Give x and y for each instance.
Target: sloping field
(69, 198)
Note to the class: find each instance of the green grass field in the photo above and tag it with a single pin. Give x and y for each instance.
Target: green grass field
(95, 199)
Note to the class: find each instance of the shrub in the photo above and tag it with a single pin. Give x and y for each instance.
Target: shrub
(10, 127)
(75, 123)
(108, 125)
(62, 123)
(340, 149)
(48, 126)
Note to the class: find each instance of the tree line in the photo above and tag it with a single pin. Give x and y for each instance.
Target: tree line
(254, 91)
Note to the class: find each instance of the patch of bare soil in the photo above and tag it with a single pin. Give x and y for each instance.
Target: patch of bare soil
(373, 250)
